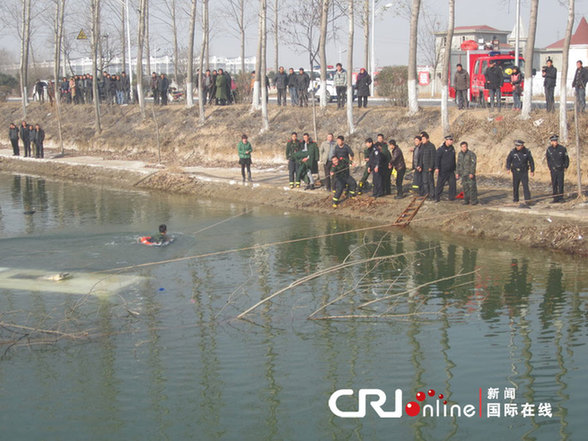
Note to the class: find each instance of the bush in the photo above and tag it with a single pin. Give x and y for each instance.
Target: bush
(7, 85)
(391, 83)
(243, 83)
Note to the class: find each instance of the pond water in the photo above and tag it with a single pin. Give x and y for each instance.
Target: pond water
(132, 350)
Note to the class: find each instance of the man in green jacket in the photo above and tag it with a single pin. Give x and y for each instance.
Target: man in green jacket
(244, 148)
(307, 161)
(292, 147)
(466, 169)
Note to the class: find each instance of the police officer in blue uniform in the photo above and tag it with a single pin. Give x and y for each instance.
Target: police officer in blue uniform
(557, 161)
(519, 162)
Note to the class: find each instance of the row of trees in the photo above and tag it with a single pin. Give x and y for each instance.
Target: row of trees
(305, 25)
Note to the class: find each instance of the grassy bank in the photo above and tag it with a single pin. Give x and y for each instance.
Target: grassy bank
(173, 132)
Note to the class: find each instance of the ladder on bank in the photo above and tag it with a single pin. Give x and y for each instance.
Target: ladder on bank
(410, 211)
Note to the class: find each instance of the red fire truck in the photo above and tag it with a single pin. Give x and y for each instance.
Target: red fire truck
(476, 62)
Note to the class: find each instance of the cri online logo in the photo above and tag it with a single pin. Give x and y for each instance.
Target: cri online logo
(377, 398)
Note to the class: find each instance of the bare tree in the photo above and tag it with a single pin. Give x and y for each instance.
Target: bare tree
(238, 21)
(123, 35)
(427, 41)
(201, 97)
(563, 91)
(140, 45)
(94, 42)
(190, 76)
(57, 39)
(445, 72)
(529, 49)
(413, 105)
(323, 52)
(350, 123)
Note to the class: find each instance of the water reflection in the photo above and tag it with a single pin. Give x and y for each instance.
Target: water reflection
(168, 356)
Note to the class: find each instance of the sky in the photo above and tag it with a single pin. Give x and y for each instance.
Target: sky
(391, 42)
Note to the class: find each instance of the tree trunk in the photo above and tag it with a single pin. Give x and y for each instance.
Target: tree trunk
(578, 152)
(413, 104)
(58, 38)
(276, 29)
(95, 8)
(323, 52)
(190, 76)
(24, 53)
(206, 20)
(123, 38)
(242, 32)
(140, 44)
(201, 97)
(262, 76)
(175, 35)
(563, 87)
(350, 124)
(147, 45)
(528, 93)
(445, 71)
(366, 36)
(257, 84)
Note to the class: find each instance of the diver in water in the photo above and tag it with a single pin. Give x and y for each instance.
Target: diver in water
(159, 238)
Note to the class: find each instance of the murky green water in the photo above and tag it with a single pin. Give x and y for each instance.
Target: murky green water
(158, 354)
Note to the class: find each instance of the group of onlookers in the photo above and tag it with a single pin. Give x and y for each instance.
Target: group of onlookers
(494, 80)
(31, 136)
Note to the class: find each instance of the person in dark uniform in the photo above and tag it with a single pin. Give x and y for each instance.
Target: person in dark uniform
(163, 89)
(427, 166)
(154, 85)
(386, 172)
(519, 162)
(292, 87)
(26, 139)
(369, 147)
(342, 150)
(550, 74)
(397, 164)
(292, 147)
(417, 178)
(342, 179)
(244, 148)
(445, 169)
(13, 135)
(32, 141)
(557, 161)
(377, 166)
(39, 138)
(466, 170)
(302, 84)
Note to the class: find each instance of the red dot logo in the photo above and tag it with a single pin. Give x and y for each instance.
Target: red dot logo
(431, 393)
(412, 408)
(445, 402)
(440, 396)
(421, 396)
